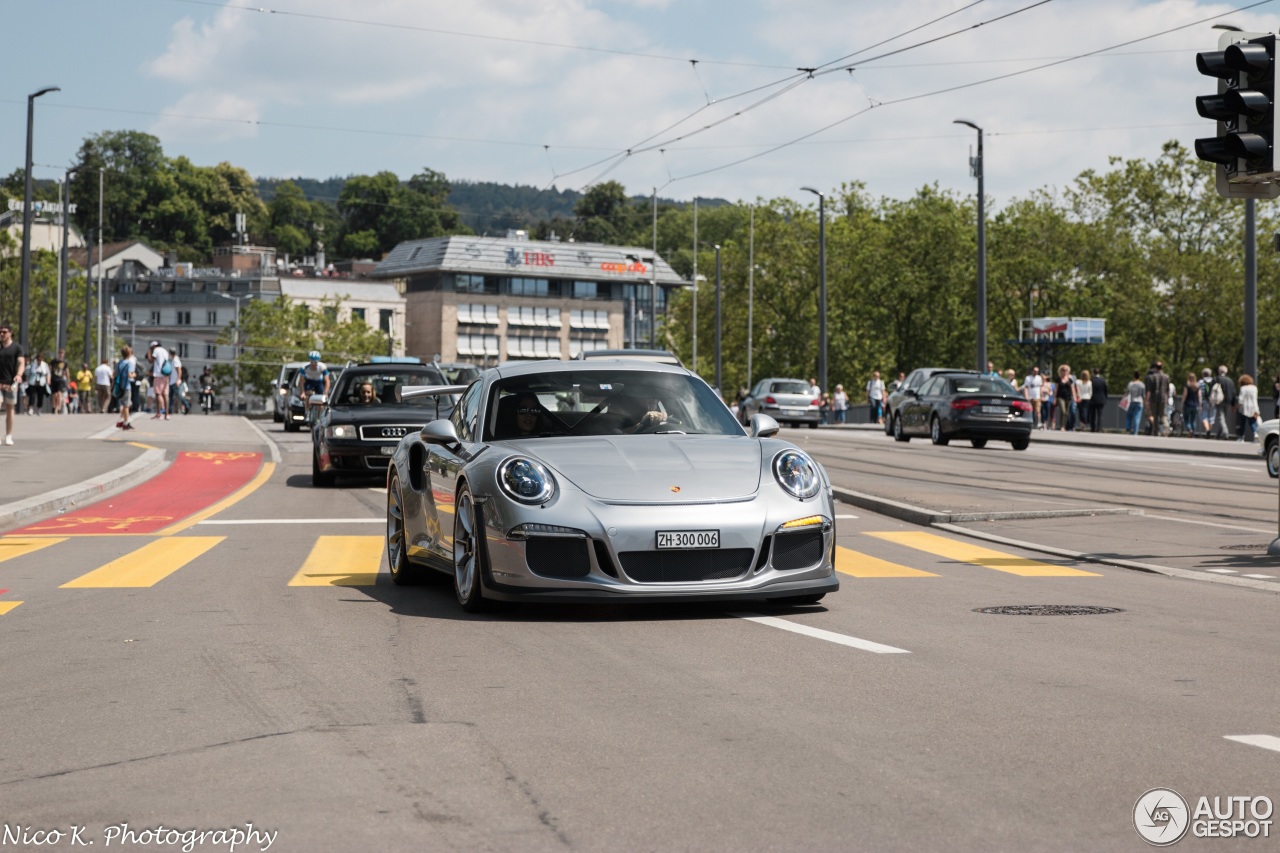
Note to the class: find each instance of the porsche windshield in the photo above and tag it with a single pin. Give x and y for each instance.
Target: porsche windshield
(605, 402)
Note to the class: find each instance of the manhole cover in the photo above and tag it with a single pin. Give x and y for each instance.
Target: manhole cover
(1047, 610)
(1245, 547)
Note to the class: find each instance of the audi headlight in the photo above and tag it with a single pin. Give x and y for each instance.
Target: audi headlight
(797, 474)
(526, 481)
(340, 431)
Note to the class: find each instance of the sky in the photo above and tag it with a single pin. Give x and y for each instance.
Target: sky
(693, 98)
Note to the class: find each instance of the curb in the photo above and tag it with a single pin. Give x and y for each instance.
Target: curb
(56, 501)
(944, 521)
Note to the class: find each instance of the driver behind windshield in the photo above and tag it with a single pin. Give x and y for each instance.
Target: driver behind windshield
(365, 395)
(637, 415)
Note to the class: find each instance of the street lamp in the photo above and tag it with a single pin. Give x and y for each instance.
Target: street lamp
(25, 311)
(975, 167)
(822, 287)
(235, 353)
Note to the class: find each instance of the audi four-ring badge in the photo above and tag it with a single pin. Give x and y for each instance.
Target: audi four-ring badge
(606, 480)
(366, 415)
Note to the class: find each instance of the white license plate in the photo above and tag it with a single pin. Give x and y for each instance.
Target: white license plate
(793, 412)
(687, 539)
(995, 410)
(387, 450)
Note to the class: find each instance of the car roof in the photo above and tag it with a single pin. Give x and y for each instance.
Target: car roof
(523, 368)
(660, 356)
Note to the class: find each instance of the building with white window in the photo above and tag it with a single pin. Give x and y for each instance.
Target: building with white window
(492, 299)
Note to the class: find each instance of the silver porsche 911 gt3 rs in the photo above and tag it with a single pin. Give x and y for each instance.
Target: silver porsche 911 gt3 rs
(606, 480)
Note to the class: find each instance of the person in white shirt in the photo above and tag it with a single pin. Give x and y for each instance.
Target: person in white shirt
(840, 404)
(875, 398)
(102, 384)
(159, 379)
(1032, 388)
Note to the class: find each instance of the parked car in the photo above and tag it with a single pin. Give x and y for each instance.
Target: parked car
(1269, 445)
(970, 406)
(914, 379)
(600, 481)
(280, 394)
(787, 401)
(659, 356)
(356, 436)
(458, 372)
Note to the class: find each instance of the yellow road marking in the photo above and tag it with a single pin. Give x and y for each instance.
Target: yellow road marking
(249, 488)
(146, 566)
(342, 561)
(6, 606)
(965, 552)
(865, 566)
(140, 444)
(20, 546)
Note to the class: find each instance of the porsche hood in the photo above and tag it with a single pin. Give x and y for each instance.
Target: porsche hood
(653, 468)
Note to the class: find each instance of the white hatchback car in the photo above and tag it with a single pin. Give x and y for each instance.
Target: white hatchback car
(1269, 445)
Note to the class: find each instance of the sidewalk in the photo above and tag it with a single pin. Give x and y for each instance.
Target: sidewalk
(59, 462)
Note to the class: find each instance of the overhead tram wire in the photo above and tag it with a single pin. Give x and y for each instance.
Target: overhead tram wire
(957, 88)
(903, 34)
(811, 73)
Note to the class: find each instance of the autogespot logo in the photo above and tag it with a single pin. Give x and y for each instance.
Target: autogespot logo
(1161, 817)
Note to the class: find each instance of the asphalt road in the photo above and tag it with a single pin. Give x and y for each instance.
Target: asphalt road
(245, 687)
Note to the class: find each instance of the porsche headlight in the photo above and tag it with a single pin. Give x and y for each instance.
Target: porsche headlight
(797, 474)
(526, 481)
(340, 431)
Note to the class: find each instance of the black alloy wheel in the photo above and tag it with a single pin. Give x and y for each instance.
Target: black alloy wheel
(402, 571)
(320, 479)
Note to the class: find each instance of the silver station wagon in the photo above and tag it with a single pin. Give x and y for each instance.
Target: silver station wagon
(606, 481)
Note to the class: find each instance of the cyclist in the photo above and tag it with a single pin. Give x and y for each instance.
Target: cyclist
(313, 379)
(206, 389)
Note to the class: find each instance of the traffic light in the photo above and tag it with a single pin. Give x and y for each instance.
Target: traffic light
(1245, 111)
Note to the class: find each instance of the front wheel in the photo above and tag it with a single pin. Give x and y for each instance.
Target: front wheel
(1273, 457)
(320, 479)
(935, 433)
(402, 571)
(978, 443)
(468, 555)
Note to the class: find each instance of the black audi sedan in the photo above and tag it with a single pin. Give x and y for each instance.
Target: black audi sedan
(365, 417)
(970, 406)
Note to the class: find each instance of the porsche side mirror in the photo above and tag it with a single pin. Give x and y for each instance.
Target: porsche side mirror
(439, 432)
(763, 426)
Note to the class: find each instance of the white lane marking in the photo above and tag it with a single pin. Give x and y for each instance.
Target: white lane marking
(297, 521)
(818, 633)
(1265, 741)
(1260, 577)
(846, 516)
(1249, 467)
(1222, 571)
(1208, 523)
(104, 433)
(377, 488)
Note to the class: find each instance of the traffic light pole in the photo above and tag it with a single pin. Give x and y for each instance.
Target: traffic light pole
(1251, 291)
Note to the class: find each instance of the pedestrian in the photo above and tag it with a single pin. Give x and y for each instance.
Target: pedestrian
(59, 376)
(12, 369)
(37, 384)
(1032, 389)
(84, 385)
(875, 398)
(102, 385)
(125, 385)
(1068, 397)
(1275, 393)
(1012, 378)
(161, 370)
(146, 398)
(1206, 407)
(1134, 395)
(814, 391)
(1157, 385)
(1048, 406)
(992, 373)
(827, 409)
(1098, 401)
(1084, 396)
(897, 383)
(1222, 395)
(1248, 409)
(73, 398)
(840, 401)
(181, 393)
(1190, 404)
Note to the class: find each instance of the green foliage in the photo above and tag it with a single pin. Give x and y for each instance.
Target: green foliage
(280, 331)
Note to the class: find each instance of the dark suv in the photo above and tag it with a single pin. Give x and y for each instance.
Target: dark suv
(358, 430)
